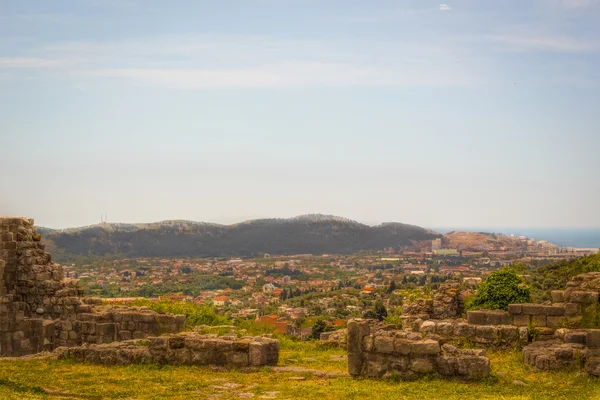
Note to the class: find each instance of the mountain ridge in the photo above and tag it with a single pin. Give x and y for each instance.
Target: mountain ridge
(310, 233)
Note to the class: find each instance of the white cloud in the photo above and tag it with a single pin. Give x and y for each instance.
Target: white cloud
(29, 62)
(281, 74)
(575, 4)
(445, 7)
(540, 42)
(213, 61)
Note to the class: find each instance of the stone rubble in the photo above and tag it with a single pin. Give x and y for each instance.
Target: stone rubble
(187, 348)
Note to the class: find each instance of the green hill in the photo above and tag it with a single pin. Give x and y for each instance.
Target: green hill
(312, 234)
(555, 276)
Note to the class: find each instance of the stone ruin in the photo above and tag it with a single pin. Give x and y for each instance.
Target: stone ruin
(562, 341)
(550, 335)
(382, 351)
(186, 348)
(442, 318)
(40, 311)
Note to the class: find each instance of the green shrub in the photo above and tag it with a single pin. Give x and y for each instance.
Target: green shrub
(195, 314)
(500, 289)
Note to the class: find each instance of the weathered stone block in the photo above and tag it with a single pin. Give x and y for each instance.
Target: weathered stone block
(572, 309)
(105, 329)
(402, 346)
(539, 320)
(593, 339)
(554, 310)
(556, 321)
(357, 329)
(476, 317)
(473, 368)
(532, 309)
(592, 366)
(515, 309)
(521, 320)
(384, 344)
(444, 329)
(422, 365)
(558, 296)
(425, 347)
(582, 297)
(578, 337)
(487, 333)
(463, 330)
(509, 333)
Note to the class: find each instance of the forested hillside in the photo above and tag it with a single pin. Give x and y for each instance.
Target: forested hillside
(314, 234)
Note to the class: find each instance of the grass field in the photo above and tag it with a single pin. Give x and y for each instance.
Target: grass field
(50, 379)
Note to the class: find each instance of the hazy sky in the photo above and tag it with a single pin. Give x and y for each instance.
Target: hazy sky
(468, 113)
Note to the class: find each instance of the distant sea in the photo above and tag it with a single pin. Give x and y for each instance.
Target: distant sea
(570, 237)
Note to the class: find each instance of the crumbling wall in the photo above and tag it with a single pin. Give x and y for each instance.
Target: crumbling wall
(182, 349)
(41, 310)
(570, 349)
(484, 328)
(446, 303)
(20, 332)
(335, 338)
(376, 350)
(108, 324)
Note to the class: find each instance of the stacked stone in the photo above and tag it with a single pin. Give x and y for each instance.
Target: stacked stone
(384, 353)
(448, 302)
(544, 319)
(19, 334)
(337, 338)
(9, 229)
(182, 349)
(40, 310)
(486, 328)
(39, 282)
(571, 348)
(108, 324)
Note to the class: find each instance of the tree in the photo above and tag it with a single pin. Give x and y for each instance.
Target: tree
(319, 327)
(500, 289)
(380, 311)
(392, 286)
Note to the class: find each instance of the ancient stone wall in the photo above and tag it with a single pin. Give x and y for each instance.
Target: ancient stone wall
(337, 338)
(376, 350)
(182, 349)
(446, 303)
(108, 324)
(488, 335)
(40, 310)
(570, 349)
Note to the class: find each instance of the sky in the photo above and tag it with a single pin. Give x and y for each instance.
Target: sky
(465, 113)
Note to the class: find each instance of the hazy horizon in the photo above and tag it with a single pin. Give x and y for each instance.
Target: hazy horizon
(458, 113)
(229, 220)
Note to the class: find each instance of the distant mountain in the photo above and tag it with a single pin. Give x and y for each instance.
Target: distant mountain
(480, 241)
(307, 234)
